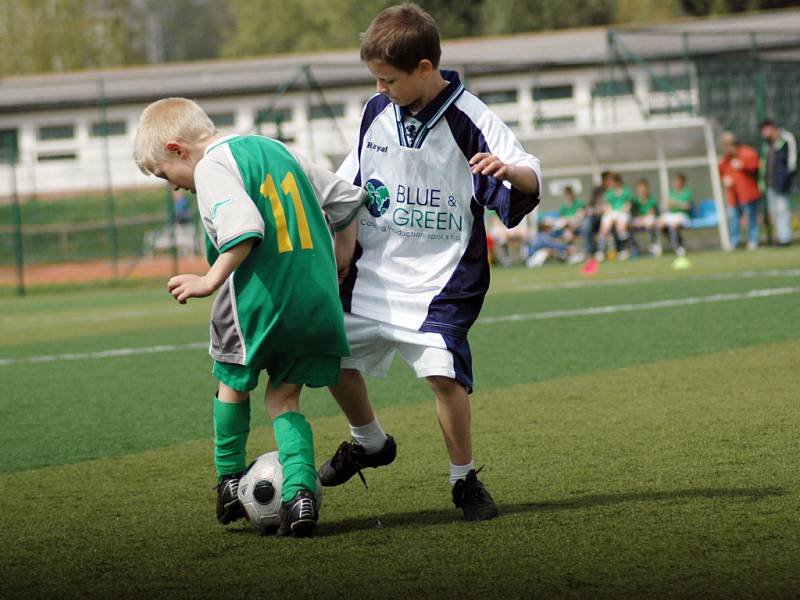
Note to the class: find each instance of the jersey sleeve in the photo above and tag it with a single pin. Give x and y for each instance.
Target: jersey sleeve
(229, 214)
(510, 203)
(339, 198)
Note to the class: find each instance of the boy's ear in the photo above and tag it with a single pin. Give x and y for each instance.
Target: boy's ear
(177, 147)
(425, 67)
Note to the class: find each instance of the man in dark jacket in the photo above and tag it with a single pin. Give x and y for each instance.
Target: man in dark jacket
(778, 167)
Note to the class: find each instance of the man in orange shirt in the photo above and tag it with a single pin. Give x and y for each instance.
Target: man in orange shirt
(738, 169)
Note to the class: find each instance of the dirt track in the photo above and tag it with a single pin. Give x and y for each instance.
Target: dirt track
(86, 272)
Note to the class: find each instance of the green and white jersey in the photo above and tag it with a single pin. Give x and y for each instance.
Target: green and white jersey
(645, 208)
(617, 199)
(680, 201)
(283, 299)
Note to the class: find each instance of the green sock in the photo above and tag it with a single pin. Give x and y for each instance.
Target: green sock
(231, 428)
(296, 453)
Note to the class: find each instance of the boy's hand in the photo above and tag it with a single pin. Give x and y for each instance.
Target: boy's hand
(344, 245)
(484, 163)
(183, 287)
(521, 177)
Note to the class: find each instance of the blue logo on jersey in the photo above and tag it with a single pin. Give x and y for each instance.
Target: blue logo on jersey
(378, 201)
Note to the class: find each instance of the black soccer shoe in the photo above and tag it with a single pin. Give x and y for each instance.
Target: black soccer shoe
(228, 506)
(350, 458)
(299, 516)
(473, 498)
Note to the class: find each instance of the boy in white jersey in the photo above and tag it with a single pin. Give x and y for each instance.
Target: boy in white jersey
(432, 157)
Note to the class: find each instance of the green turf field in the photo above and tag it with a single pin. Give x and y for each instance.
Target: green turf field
(639, 431)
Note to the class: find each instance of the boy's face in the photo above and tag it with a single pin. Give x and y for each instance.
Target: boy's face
(179, 170)
(402, 88)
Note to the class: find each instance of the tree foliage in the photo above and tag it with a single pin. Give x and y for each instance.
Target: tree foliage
(61, 35)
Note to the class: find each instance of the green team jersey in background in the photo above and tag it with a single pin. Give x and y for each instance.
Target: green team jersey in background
(682, 199)
(618, 198)
(283, 300)
(644, 208)
(568, 210)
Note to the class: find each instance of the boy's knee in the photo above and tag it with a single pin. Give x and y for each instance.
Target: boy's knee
(228, 394)
(445, 387)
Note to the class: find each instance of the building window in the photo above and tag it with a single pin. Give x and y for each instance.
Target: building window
(56, 132)
(499, 97)
(56, 156)
(9, 144)
(275, 115)
(101, 128)
(553, 92)
(223, 120)
(604, 89)
(554, 122)
(326, 111)
(670, 83)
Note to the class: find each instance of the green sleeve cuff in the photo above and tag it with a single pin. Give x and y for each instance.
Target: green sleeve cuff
(240, 239)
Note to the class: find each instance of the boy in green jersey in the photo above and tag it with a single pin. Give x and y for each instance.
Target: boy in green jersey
(272, 259)
(571, 214)
(645, 213)
(616, 216)
(679, 205)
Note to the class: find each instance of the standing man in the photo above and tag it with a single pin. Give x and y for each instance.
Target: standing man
(777, 169)
(738, 169)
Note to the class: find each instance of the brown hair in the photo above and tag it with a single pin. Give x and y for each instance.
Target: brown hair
(402, 36)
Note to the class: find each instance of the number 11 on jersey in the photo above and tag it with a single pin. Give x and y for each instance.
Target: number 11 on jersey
(289, 188)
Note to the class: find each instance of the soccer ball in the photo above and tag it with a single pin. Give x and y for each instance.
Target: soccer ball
(260, 491)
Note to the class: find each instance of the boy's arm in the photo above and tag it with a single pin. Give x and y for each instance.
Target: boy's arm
(506, 178)
(183, 287)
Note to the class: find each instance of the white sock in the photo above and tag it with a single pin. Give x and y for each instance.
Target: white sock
(371, 436)
(460, 471)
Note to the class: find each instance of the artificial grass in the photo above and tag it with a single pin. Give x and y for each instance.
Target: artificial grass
(676, 479)
(68, 411)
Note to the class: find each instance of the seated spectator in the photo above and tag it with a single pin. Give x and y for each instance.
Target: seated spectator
(545, 246)
(570, 215)
(503, 238)
(738, 169)
(644, 215)
(616, 216)
(677, 217)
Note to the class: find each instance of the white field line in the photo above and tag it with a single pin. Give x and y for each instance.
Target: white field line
(619, 308)
(580, 283)
(101, 354)
(550, 314)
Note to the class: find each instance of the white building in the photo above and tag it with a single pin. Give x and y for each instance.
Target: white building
(536, 82)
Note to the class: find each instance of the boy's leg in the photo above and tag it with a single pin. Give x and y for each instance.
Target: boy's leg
(295, 442)
(231, 429)
(370, 445)
(454, 414)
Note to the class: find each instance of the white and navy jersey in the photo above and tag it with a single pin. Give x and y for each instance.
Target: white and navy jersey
(421, 260)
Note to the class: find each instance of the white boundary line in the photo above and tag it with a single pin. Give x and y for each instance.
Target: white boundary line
(580, 283)
(550, 314)
(618, 308)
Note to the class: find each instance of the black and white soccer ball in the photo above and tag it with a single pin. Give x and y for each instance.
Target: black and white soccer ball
(260, 491)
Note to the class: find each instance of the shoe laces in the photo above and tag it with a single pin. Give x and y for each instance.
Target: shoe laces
(346, 455)
(471, 490)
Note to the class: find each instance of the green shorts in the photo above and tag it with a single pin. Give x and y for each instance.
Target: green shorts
(313, 371)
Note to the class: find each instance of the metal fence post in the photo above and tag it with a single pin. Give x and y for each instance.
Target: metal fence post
(16, 218)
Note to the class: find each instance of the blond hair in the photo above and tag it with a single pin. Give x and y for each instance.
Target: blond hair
(165, 120)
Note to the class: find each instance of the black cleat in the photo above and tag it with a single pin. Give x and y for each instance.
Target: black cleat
(299, 516)
(473, 498)
(350, 458)
(228, 506)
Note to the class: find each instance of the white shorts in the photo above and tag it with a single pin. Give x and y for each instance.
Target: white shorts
(678, 219)
(373, 345)
(615, 216)
(645, 221)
